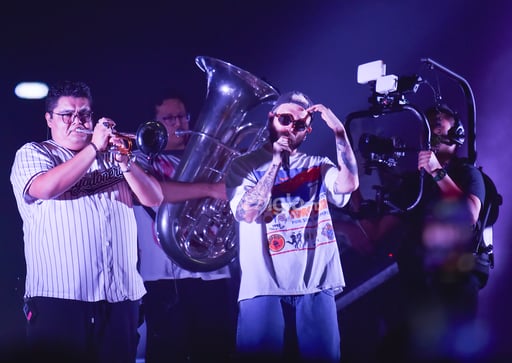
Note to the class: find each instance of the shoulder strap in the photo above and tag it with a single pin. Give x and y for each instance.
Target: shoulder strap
(151, 212)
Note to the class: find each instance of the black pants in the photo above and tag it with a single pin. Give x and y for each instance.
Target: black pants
(189, 320)
(76, 331)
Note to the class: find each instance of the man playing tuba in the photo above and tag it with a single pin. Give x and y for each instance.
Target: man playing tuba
(189, 315)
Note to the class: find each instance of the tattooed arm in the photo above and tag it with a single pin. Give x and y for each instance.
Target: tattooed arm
(348, 178)
(255, 200)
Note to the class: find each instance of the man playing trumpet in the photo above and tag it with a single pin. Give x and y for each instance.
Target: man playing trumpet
(82, 286)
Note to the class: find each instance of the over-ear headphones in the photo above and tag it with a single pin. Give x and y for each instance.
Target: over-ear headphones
(456, 134)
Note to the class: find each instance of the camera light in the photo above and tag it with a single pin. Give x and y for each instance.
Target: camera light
(386, 84)
(370, 71)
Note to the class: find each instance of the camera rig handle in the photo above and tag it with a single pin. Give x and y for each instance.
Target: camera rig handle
(376, 112)
(470, 99)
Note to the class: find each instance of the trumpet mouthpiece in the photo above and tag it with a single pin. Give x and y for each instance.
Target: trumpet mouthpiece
(84, 131)
(180, 133)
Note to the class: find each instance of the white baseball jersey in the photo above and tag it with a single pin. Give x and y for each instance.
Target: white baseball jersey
(154, 263)
(81, 245)
(291, 248)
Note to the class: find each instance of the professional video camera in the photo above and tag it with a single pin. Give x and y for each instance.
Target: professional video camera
(380, 150)
(393, 129)
(389, 134)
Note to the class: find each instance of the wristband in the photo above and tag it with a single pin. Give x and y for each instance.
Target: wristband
(94, 147)
(128, 164)
(439, 174)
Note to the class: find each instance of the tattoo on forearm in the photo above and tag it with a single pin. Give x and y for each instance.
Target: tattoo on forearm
(346, 155)
(255, 200)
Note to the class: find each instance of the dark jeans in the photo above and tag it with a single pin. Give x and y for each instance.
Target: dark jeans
(189, 320)
(62, 330)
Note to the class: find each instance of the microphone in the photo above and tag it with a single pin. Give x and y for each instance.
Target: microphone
(285, 157)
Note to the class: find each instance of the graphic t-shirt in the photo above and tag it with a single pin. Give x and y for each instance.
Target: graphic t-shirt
(291, 248)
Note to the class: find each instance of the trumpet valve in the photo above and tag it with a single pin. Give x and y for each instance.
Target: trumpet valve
(121, 145)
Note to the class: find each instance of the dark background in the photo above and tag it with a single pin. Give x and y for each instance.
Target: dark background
(127, 51)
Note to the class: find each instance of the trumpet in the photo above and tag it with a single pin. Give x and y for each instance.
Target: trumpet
(123, 145)
(151, 138)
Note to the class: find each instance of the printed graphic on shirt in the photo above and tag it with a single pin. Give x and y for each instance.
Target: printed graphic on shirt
(96, 181)
(328, 231)
(276, 242)
(165, 166)
(304, 185)
(298, 214)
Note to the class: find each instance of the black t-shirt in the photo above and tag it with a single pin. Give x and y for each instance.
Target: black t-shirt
(431, 207)
(467, 177)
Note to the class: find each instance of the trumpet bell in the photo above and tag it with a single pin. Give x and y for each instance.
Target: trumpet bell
(151, 138)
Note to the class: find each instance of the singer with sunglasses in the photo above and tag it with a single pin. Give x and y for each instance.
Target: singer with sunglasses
(75, 198)
(289, 258)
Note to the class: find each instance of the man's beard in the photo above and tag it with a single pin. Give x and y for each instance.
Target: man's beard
(273, 137)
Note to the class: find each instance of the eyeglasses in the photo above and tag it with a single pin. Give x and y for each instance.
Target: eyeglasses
(286, 119)
(179, 118)
(69, 117)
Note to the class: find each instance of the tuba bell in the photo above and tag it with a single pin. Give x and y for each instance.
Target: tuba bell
(199, 234)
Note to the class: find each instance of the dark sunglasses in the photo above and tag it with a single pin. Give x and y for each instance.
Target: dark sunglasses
(286, 119)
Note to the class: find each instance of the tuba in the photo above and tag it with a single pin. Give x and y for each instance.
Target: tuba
(199, 234)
